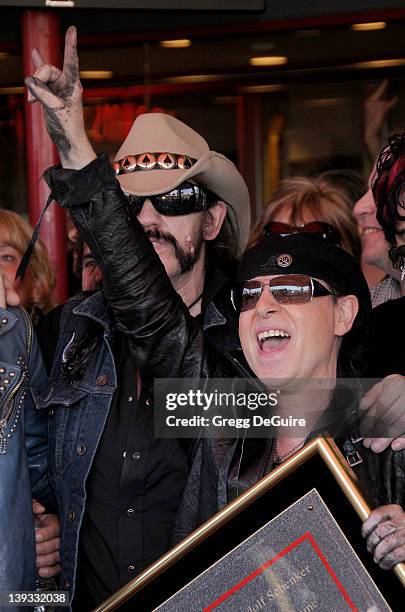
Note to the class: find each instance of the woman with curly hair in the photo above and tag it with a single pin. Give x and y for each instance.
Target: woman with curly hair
(35, 291)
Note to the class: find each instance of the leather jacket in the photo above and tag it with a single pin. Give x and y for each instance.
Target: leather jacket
(23, 449)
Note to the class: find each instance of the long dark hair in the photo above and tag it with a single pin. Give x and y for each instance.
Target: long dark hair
(222, 252)
(389, 189)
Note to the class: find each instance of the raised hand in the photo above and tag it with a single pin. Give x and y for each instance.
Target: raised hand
(376, 109)
(60, 93)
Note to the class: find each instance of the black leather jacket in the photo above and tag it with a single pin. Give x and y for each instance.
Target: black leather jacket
(167, 342)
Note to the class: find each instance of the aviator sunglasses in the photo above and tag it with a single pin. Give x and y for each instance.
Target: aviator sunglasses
(185, 199)
(287, 289)
(326, 231)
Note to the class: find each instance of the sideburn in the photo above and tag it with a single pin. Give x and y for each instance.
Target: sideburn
(187, 259)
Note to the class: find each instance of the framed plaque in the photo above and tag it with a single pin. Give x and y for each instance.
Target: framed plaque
(291, 542)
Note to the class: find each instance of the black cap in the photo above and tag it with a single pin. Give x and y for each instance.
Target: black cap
(306, 253)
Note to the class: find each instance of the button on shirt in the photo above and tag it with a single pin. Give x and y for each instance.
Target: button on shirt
(134, 489)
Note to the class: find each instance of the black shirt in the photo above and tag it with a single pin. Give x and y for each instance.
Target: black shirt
(134, 490)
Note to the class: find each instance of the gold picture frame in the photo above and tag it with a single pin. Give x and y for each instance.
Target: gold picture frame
(332, 457)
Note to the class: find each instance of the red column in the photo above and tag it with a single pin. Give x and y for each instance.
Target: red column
(250, 149)
(41, 29)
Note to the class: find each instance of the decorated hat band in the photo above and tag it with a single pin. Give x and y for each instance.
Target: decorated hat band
(153, 161)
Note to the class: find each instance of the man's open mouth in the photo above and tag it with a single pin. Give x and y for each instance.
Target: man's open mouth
(271, 339)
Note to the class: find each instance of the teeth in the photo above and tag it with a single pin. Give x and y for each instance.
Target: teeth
(371, 230)
(272, 333)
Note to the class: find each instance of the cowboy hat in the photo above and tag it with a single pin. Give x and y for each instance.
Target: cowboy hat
(161, 152)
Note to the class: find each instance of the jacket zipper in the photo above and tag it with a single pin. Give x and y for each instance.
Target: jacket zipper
(268, 465)
(243, 371)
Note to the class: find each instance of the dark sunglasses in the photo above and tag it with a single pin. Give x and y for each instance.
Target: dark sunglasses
(287, 289)
(328, 232)
(185, 199)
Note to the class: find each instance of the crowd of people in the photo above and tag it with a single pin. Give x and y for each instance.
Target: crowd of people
(175, 287)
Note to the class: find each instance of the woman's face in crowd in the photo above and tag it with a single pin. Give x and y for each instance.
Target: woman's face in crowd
(10, 259)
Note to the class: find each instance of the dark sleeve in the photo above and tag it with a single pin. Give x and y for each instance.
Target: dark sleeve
(382, 476)
(164, 339)
(394, 478)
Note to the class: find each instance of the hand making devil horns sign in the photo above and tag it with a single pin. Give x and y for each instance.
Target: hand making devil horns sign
(60, 93)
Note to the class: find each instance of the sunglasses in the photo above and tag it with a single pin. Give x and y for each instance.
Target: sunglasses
(288, 289)
(185, 199)
(328, 232)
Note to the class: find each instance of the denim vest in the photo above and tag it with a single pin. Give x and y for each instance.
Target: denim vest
(23, 449)
(77, 412)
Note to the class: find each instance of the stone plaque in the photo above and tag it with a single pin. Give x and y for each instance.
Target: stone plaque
(299, 561)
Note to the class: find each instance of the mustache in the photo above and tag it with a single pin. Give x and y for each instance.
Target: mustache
(179, 254)
(158, 235)
(186, 260)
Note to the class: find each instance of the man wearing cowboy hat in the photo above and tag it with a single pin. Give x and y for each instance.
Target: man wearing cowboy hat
(118, 487)
(192, 202)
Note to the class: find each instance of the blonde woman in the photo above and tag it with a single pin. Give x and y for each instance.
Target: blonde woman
(35, 291)
(312, 205)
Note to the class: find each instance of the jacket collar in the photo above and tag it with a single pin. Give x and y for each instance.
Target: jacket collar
(212, 317)
(95, 307)
(214, 282)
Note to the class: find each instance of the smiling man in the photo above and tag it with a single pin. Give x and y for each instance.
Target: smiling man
(309, 335)
(298, 298)
(375, 248)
